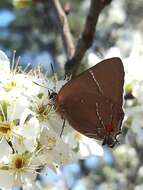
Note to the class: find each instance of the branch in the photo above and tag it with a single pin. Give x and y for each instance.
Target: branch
(87, 36)
(64, 29)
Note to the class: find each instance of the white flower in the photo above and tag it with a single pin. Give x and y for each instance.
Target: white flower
(54, 150)
(20, 84)
(117, 13)
(6, 125)
(40, 105)
(4, 64)
(9, 116)
(56, 123)
(40, 101)
(28, 131)
(133, 63)
(5, 151)
(30, 185)
(28, 125)
(138, 92)
(16, 107)
(85, 146)
(6, 179)
(17, 170)
(93, 59)
(90, 147)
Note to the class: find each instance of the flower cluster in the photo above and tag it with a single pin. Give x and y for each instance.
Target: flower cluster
(30, 128)
(124, 167)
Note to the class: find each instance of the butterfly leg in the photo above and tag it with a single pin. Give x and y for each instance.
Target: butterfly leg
(104, 141)
(116, 137)
(63, 126)
(113, 144)
(107, 139)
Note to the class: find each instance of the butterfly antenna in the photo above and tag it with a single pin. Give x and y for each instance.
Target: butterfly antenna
(43, 87)
(55, 76)
(63, 126)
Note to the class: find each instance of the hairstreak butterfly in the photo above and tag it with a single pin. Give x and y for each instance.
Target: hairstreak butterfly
(92, 102)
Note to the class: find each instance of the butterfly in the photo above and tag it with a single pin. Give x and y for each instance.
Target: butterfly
(92, 102)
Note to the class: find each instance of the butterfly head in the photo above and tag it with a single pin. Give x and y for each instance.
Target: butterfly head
(52, 98)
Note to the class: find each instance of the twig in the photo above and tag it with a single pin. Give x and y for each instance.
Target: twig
(64, 29)
(87, 36)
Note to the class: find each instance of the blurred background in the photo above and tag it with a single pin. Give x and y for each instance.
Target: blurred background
(30, 28)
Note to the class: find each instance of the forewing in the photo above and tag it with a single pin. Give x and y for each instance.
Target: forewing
(106, 78)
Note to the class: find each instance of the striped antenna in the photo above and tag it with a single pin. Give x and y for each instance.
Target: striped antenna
(43, 86)
(55, 77)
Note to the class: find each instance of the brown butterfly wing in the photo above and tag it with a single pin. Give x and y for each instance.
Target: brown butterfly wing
(83, 110)
(107, 77)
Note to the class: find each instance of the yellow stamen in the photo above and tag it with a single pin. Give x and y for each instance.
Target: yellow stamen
(9, 86)
(77, 136)
(51, 141)
(43, 112)
(5, 129)
(19, 162)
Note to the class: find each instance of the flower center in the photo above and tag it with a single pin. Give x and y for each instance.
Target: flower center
(9, 86)
(43, 112)
(5, 128)
(77, 136)
(19, 162)
(51, 141)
